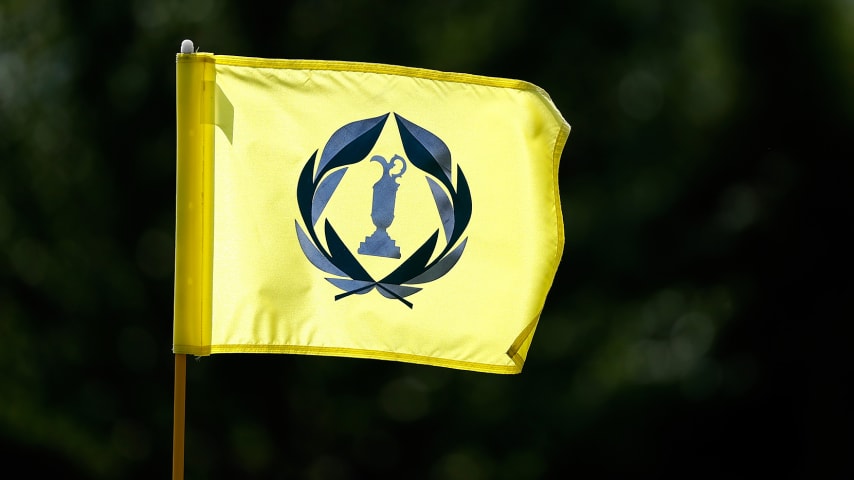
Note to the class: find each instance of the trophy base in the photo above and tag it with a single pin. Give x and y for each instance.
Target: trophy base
(379, 244)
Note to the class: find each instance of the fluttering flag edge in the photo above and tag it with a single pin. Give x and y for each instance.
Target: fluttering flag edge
(352, 353)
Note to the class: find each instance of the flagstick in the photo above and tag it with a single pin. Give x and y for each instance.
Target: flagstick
(180, 378)
(178, 415)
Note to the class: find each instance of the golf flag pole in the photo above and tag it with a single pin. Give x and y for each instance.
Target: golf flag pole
(185, 146)
(178, 415)
(469, 173)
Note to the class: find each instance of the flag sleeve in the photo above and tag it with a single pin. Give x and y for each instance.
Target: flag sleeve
(194, 204)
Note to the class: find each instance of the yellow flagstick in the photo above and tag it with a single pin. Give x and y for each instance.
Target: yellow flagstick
(178, 415)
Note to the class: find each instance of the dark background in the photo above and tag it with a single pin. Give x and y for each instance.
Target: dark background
(699, 325)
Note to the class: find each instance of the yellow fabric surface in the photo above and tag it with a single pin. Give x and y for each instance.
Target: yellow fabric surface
(248, 128)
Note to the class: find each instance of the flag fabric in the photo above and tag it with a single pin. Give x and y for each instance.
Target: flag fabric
(363, 210)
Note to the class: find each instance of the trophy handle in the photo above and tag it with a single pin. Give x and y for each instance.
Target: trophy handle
(392, 161)
(389, 164)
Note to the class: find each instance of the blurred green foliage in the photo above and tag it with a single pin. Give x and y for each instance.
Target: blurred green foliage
(699, 325)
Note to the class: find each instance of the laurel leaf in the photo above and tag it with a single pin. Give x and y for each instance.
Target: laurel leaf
(342, 258)
(426, 151)
(414, 265)
(305, 194)
(324, 192)
(314, 255)
(441, 267)
(350, 144)
(462, 207)
(443, 204)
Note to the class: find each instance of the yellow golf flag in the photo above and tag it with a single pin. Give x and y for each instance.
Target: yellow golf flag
(363, 210)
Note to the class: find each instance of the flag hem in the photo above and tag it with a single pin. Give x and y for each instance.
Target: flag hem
(352, 353)
(366, 67)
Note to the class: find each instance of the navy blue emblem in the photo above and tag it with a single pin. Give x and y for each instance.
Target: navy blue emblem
(318, 181)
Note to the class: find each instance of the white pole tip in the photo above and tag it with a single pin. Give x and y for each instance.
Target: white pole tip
(187, 46)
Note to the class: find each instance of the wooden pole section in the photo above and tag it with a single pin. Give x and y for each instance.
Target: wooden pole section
(178, 416)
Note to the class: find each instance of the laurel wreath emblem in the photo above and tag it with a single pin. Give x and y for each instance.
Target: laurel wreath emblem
(318, 180)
